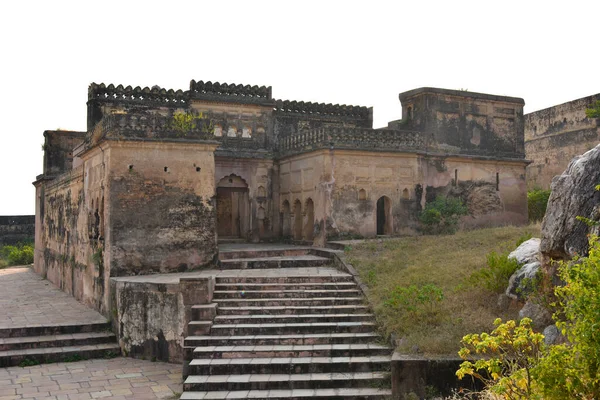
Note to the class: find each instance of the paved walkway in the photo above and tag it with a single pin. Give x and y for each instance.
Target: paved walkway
(119, 378)
(30, 300)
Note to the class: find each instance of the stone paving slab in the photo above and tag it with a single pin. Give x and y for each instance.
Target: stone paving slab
(29, 300)
(118, 378)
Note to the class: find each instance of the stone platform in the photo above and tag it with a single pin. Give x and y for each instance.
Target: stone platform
(28, 300)
(39, 323)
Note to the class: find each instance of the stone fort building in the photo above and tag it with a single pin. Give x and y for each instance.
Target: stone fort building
(161, 175)
(554, 135)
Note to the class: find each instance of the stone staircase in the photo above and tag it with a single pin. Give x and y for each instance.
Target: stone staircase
(56, 343)
(280, 336)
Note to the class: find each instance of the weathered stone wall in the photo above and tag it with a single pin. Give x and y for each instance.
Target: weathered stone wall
(345, 186)
(553, 136)
(160, 210)
(130, 208)
(150, 316)
(17, 229)
(305, 184)
(493, 190)
(66, 243)
(465, 122)
(393, 175)
(58, 150)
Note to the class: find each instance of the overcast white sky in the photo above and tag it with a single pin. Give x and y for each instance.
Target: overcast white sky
(360, 53)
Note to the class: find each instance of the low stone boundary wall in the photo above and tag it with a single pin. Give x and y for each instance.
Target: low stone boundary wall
(15, 229)
(423, 377)
(151, 319)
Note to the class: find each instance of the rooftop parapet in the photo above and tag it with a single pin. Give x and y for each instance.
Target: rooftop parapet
(230, 92)
(155, 96)
(353, 138)
(145, 126)
(315, 109)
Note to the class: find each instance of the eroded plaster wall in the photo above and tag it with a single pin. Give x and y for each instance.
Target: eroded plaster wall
(465, 122)
(345, 187)
(553, 136)
(361, 178)
(160, 209)
(493, 190)
(67, 240)
(306, 184)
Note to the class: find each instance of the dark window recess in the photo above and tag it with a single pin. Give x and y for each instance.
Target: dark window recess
(197, 169)
(166, 169)
(130, 167)
(497, 181)
(455, 177)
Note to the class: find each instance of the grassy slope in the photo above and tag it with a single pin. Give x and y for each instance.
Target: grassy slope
(447, 262)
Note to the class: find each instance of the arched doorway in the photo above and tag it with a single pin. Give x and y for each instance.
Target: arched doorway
(285, 219)
(233, 208)
(384, 216)
(297, 220)
(309, 225)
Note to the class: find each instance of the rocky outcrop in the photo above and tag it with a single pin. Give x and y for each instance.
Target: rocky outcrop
(521, 283)
(539, 315)
(573, 195)
(527, 252)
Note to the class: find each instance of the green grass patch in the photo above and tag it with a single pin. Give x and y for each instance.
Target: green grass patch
(422, 287)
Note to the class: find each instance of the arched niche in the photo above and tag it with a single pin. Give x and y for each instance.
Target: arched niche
(297, 220)
(285, 219)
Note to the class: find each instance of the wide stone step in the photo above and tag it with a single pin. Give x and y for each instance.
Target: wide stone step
(236, 254)
(278, 302)
(317, 278)
(287, 310)
(58, 354)
(294, 351)
(274, 262)
(290, 318)
(277, 286)
(75, 339)
(277, 294)
(58, 329)
(293, 394)
(289, 328)
(292, 339)
(287, 365)
(282, 381)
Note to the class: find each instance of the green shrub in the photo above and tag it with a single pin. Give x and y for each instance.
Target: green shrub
(537, 200)
(21, 254)
(441, 215)
(496, 274)
(519, 366)
(503, 359)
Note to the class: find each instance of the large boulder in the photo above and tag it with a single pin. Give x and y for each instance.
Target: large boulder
(540, 316)
(573, 194)
(522, 283)
(527, 252)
